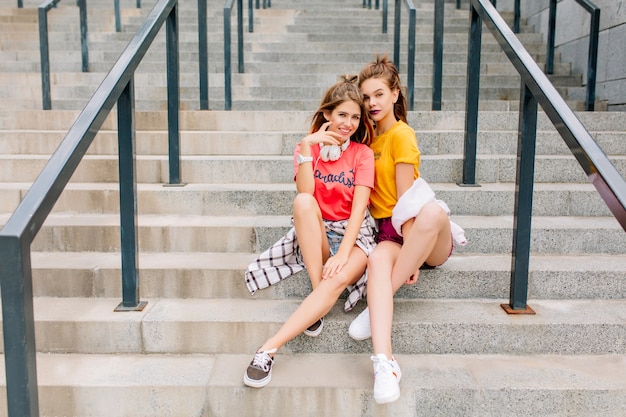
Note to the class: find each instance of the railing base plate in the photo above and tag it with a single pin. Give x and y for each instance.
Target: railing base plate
(460, 184)
(182, 184)
(510, 310)
(139, 307)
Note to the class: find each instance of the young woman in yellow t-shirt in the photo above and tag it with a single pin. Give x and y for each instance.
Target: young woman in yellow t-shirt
(425, 239)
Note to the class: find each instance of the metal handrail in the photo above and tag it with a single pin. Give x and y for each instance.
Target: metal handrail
(396, 43)
(438, 52)
(410, 72)
(592, 58)
(437, 55)
(118, 19)
(536, 89)
(22, 227)
(203, 55)
(44, 49)
(228, 6)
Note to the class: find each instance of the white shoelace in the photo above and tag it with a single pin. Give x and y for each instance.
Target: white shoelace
(262, 360)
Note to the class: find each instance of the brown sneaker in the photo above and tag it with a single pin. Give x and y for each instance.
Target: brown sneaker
(259, 372)
(315, 329)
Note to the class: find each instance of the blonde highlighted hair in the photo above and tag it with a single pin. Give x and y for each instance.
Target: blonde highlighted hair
(346, 89)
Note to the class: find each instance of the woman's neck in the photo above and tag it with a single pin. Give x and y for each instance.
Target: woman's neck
(384, 125)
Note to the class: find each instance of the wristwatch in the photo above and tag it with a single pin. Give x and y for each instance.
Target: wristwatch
(302, 159)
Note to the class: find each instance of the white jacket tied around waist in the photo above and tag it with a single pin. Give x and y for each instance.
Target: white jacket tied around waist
(410, 204)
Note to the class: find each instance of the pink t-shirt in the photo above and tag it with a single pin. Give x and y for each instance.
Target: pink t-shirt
(335, 180)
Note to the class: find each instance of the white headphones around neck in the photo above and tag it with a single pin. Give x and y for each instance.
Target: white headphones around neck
(333, 152)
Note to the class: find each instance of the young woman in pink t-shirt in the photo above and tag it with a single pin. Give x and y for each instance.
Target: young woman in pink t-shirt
(332, 233)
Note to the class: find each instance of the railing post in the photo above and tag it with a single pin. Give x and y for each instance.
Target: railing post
(458, 4)
(173, 95)
(118, 19)
(551, 36)
(396, 33)
(250, 16)
(44, 53)
(203, 55)
(385, 14)
(516, 16)
(592, 61)
(524, 181)
(240, 34)
(128, 200)
(438, 55)
(84, 46)
(18, 325)
(227, 57)
(410, 75)
(471, 99)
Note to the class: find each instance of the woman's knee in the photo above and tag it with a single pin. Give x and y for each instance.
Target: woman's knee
(381, 260)
(432, 216)
(304, 203)
(336, 284)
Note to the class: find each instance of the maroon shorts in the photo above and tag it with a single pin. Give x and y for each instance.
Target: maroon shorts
(386, 232)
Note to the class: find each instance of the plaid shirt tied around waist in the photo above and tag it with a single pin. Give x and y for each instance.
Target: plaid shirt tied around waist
(284, 259)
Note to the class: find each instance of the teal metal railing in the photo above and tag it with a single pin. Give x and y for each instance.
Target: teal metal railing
(44, 48)
(536, 89)
(228, 7)
(592, 55)
(118, 18)
(20, 230)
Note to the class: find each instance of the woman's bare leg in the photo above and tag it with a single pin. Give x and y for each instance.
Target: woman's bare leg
(380, 293)
(320, 301)
(390, 266)
(429, 240)
(311, 233)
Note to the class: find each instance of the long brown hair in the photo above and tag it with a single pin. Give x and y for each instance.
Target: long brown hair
(344, 90)
(384, 69)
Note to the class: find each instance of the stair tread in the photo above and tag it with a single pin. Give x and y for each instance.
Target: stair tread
(549, 372)
(181, 220)
(240, 260)
(480, 312)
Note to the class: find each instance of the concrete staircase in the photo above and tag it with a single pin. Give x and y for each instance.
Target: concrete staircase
(185, 353)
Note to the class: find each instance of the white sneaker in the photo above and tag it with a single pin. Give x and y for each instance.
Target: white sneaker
(360, 326)
(387, 376)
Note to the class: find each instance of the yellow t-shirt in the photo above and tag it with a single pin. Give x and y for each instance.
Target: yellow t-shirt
(396, 145)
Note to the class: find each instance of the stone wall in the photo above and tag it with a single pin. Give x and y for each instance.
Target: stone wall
(572, 41)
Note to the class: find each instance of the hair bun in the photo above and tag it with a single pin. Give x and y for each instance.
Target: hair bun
(349, 78)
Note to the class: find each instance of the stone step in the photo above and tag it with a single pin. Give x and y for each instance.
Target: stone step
(273, 121)
(157, 95)
(192, 142)
(580, 200)
(238, 326)
(238, 233)
(136, 385)
(221, 275)
(257, 40)
(279, 169)
(309, 105)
